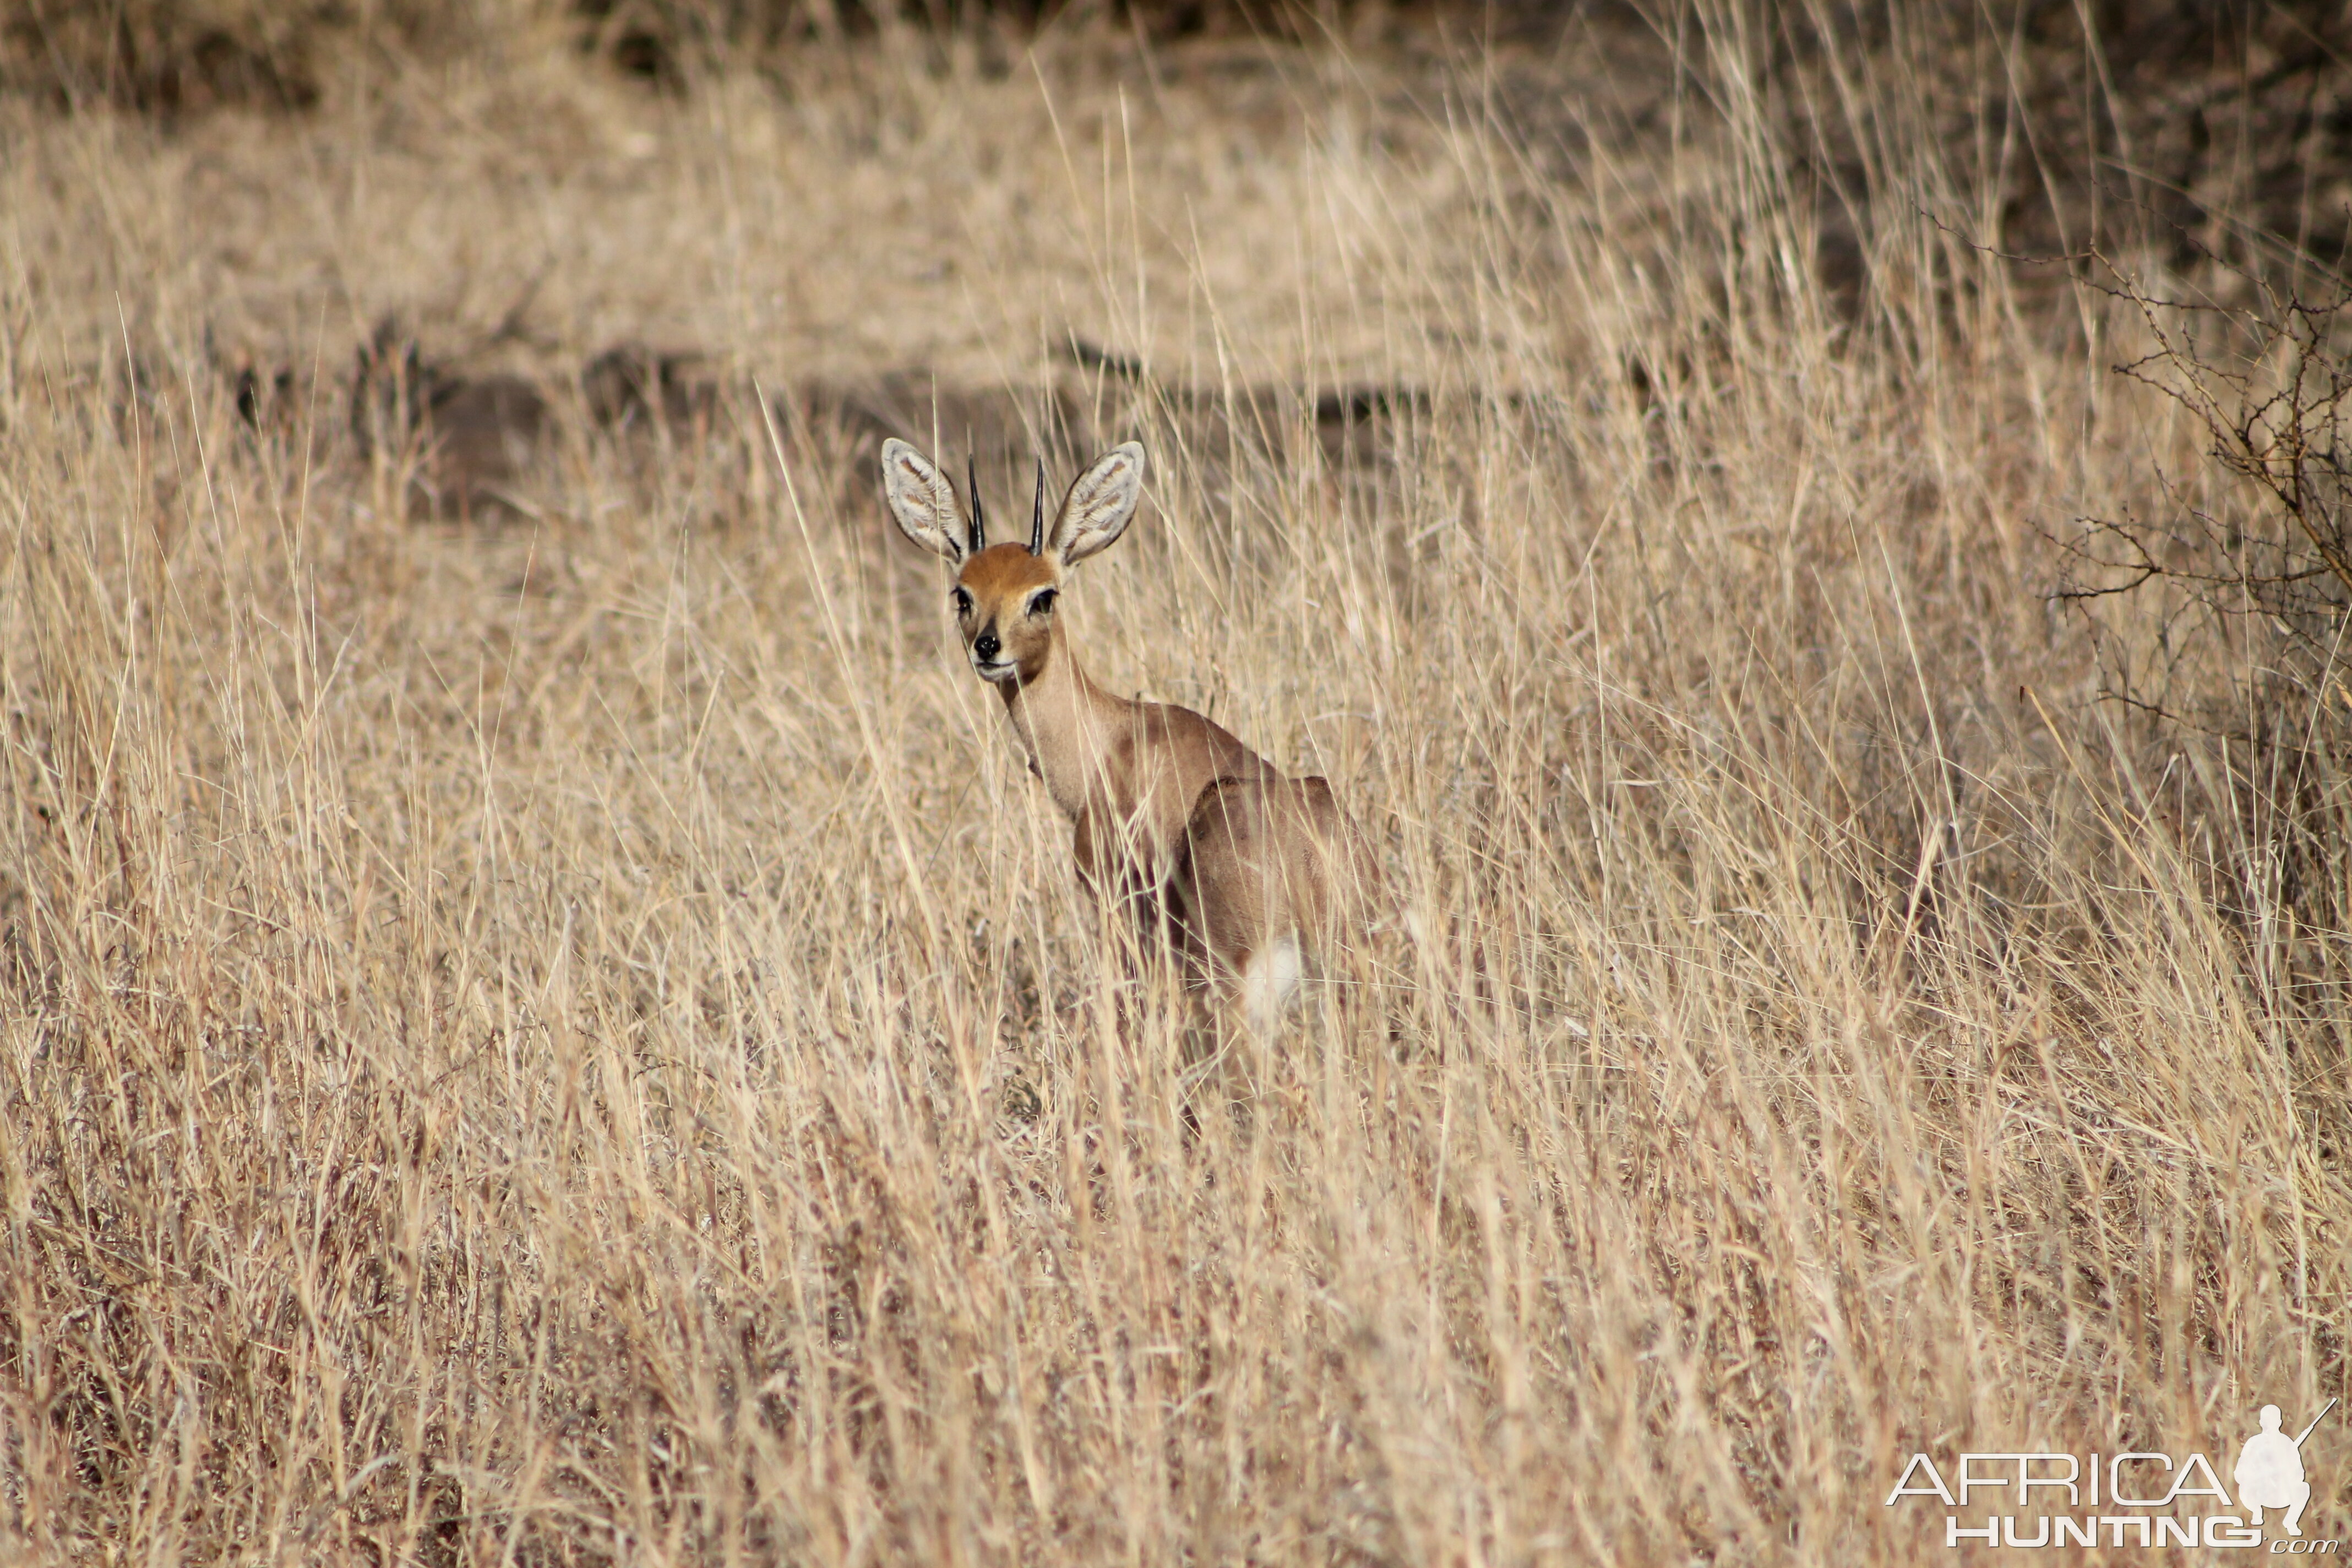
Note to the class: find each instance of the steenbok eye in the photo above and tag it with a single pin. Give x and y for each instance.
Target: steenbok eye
(1042, 602)
(962, 602)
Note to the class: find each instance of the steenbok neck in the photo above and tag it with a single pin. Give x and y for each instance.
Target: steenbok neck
(1065, 723)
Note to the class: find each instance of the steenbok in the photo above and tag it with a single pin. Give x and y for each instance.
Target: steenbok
(1242, 870)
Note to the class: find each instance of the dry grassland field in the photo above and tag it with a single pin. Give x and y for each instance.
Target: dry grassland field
(544, 1020)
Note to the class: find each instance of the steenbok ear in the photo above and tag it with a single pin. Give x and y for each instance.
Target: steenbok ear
(923, 503)
(1099, 506)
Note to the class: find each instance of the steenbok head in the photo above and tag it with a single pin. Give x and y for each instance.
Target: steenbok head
(1004, 594)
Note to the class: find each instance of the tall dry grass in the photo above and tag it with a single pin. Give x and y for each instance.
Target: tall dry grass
(567, 1036)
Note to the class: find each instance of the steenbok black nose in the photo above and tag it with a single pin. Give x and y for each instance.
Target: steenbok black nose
(987, 646)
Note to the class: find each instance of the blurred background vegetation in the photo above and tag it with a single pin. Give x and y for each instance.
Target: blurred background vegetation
(2192, 108)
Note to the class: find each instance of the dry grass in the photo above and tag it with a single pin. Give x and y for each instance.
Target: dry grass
(567, 1036)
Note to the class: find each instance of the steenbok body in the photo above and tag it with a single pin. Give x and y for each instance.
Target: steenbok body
(1210, 848)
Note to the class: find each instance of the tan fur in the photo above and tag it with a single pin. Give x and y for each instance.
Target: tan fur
(1267, 860)
(1206, 843)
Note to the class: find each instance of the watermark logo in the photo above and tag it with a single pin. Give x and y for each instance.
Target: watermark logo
(2128, 1499)
(2270, 1471)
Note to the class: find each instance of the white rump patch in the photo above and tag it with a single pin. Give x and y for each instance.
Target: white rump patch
(1270, 984)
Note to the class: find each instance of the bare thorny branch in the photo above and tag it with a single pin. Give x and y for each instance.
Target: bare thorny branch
(2270, 396)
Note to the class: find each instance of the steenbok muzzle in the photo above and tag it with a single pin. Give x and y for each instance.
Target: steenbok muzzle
(1244, 872)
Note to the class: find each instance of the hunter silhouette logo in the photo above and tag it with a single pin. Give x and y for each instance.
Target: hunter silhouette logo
(2138, 1499)
(2270, 1470)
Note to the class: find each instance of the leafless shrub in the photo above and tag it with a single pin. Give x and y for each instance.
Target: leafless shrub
(2268, 385)
(2221, 608)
